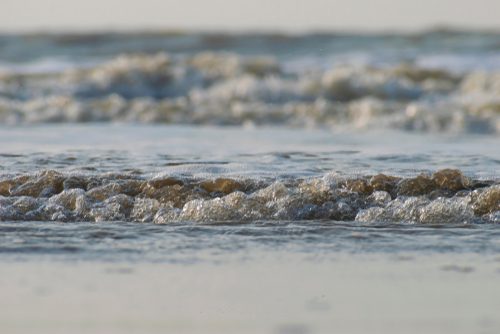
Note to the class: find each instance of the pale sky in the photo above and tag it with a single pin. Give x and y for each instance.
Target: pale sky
(285, 15)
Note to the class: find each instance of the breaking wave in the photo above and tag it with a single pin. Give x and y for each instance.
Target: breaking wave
(444, 197)
(227, 88)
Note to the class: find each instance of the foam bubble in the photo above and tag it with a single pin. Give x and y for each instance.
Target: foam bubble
(227, 88)
(446, 197)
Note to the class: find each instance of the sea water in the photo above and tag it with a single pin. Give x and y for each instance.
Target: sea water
(348, 168)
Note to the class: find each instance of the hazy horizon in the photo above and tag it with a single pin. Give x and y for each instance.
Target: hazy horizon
(249, 31)
(240, 15)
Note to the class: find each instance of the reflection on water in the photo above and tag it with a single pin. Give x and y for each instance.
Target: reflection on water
(221, 242)
(269, 152)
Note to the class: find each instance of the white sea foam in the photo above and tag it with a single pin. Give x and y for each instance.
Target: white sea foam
(229, 89)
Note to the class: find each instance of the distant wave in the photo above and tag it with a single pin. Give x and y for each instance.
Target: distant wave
(435, 81)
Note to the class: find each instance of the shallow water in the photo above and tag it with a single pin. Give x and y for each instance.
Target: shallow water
(257, 153)
(307, 191)
(188, 244)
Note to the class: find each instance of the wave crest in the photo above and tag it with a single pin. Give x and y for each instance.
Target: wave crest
(447, 196)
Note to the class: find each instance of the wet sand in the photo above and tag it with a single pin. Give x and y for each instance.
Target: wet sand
(279, 293)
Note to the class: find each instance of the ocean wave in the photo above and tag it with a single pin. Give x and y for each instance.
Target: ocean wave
(226, 88)
(446, 196)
